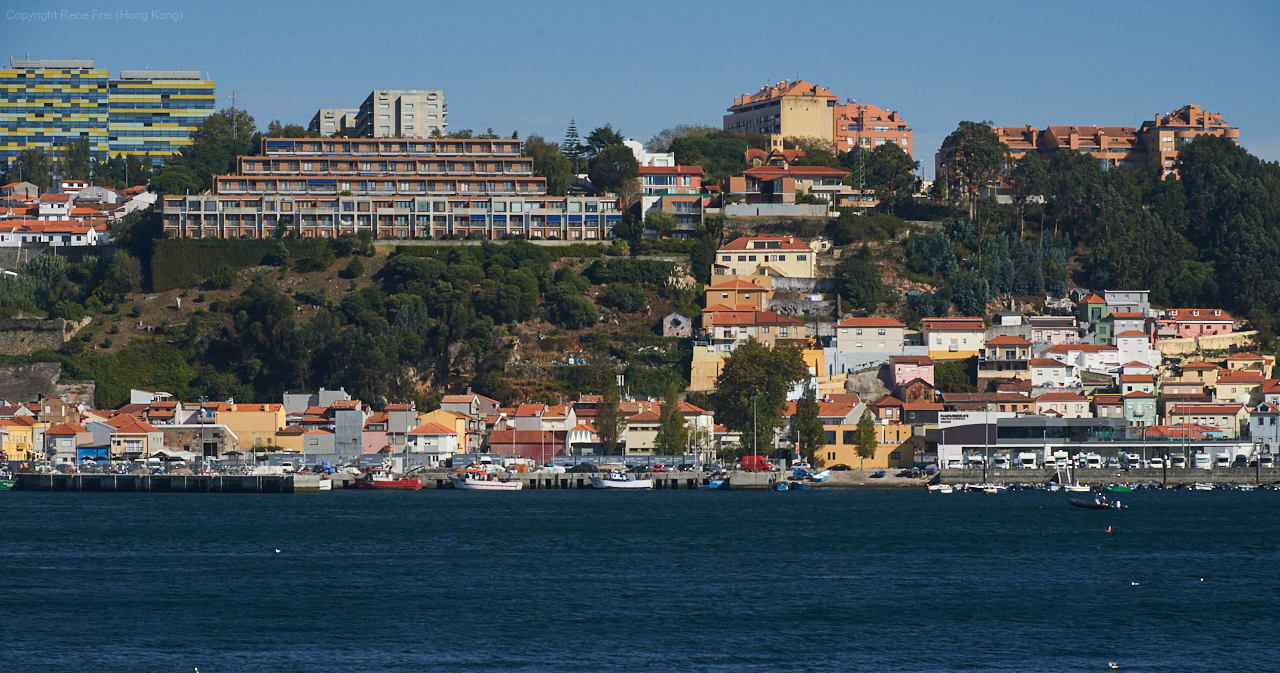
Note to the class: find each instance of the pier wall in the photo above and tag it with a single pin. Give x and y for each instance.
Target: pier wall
(1098, 477)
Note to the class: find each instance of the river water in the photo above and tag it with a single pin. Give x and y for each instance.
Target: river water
(847, 580)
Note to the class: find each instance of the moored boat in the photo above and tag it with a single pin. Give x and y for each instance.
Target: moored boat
(1201, 487)
(619, 479)
(479, 480)
(7, 484)
(1099, 503)
(384, 481)
(715, 485)
(820, 476)
(1118, 488)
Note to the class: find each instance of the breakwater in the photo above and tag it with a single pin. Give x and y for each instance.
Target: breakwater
(163, 483)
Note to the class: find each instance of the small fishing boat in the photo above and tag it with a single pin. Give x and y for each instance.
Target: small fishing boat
(1118, 488)
(941, 488)
(878, 474)
(780, 486)
(381, 480)
(620, 479)
(715, 485)
(798, 486)
(327, 484)
(1200, 486)
(1099, 503)
(479, 480)
(7, 484)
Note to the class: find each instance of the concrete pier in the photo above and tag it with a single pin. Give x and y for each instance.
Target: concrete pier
(1102, 476)
(155, 483)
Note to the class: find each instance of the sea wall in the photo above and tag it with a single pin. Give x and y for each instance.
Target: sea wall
(1217, 342)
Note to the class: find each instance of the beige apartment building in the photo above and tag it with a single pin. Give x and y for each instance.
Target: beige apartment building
(801, 109)
(391, 113)
(324, 187)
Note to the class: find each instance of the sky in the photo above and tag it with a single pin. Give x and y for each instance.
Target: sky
(642, 67)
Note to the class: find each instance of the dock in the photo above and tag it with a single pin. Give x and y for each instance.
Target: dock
(1103, 476)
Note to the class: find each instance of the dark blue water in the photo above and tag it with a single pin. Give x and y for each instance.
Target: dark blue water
(849, 580)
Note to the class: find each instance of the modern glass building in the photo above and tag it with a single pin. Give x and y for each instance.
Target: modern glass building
(49, 104)
(153, 112)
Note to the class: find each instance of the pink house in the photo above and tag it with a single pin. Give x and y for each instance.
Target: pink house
(904, 368)
(1186, 323)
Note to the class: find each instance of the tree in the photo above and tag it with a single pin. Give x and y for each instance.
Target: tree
(79, 160)
(660, 220)
(1029, 179)
(31, 165)
(612, 168)
(817, 151)
(602, 138)
(227, 127)
(126, 272)
(277, 130)
(858, 282)
(173, 180)
(866, 438)
(892, 174)
(571, 147)
(974, 154)
(672, 436)
(223, 277)
(550, 163)
(355, 268)
(609, 420)
(661, 141)
(807, 433)
(754, 369)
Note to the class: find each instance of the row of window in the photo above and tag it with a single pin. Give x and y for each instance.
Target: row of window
(767, 258)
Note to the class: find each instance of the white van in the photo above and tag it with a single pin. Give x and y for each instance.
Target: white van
(1177, 460)
(1223, 460)
(1001, 461)
(1201, 461)
(975, 461)
(1027, 461)
(1093, 461)
(1132, 461)
(1157, 463)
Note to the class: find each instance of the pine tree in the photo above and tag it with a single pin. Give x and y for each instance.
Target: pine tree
(866, 438)
(806, 427)
(572, 145)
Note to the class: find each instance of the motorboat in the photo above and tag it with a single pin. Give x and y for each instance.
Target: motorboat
(721, 484)
(1118, 488)
(327, 484)
(942, 488)
(620, 479)
(780, 486)
(381, 480)
(479, 480)
(798, 486)
(820, 476)
(1200, 486)
(1097, 503)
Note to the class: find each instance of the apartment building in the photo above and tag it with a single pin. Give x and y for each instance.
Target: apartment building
(954, 338)
(1188, 323)
(330, 121)
(872, 335)
(152, 113)
(393, 188)
(870, 126)
(1156, 141)
(671, 179)
(51, 103)
(393, 113)
(801, 109)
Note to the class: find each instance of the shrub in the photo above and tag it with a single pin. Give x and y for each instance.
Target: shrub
(610, 271)
(355, 268)
(115, 328)
(136, 311)
(223, 277)
(106, 343)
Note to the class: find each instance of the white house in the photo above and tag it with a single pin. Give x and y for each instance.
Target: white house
(1050, 373)
(649, 158)
(1134, 346)
(1086, 357)
(432, 443)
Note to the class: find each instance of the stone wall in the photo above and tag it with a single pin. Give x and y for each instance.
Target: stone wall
(27, 382)
(804, 285)
(1218, 342)
(800, 307)
(24, 336)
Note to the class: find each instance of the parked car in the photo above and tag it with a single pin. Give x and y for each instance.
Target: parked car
(841, 467)
(1266, 460)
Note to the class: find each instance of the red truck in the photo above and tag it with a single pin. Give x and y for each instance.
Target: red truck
(756, 464)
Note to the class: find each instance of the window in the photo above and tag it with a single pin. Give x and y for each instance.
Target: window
(831, 436)
(726, 258)
(880, 332)
(802, 258)
(858, 332)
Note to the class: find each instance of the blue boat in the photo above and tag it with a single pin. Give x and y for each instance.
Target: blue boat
(780, 486)
(715, 485)
(798, 486)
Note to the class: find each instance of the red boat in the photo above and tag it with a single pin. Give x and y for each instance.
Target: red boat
(385, 482)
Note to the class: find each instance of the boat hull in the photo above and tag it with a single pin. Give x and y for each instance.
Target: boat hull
(634, 484)
(389, 485)
(476, 485)
(1089, 504)
(7, 484)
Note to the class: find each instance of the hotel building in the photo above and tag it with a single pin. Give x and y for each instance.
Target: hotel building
(394, 188)
(800, 109)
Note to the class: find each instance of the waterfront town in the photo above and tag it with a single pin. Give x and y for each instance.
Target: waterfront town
(1017, 368)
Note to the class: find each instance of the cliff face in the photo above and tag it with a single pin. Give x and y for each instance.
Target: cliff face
(27, 382)
(25, 336)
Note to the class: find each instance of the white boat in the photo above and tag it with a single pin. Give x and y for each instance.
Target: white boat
(479, 480)
(820, 476)
(1076, 488)
(1201, 487)
(326, 484)
(941, 488)
(616, 479)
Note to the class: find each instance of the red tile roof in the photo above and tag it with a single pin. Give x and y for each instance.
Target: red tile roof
(736, 285)
(952, 324)
(1245, 356)
(136, 428)
(1045, 362)
(1061, 397)
(65, 429)
(1124, 315)
(1190, 315)
(1081, 348)
(432, 429)
(1212, 408)
(1092, 299)
(399, 407)
(922, 360)
(1200, 364)
(1129, 334)
(529, 409)
(747, 243)
(671, 170)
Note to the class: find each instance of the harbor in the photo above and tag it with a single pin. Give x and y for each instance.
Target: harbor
(543, 481)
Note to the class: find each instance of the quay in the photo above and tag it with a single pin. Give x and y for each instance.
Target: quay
(1104, 476)
(164, 483)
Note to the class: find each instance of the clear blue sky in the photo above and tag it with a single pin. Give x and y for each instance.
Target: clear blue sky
(646, 66)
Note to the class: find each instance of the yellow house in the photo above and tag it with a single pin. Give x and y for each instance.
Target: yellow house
(895, 447)
(954, 338)
(18, 438)
(449, 419)
(253, 424)
(290, 438)
(765, 256)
